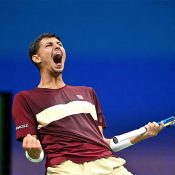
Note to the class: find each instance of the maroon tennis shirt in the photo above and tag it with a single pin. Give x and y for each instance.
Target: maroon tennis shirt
(65, 120)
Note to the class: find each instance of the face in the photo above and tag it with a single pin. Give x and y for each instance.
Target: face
(51, 56)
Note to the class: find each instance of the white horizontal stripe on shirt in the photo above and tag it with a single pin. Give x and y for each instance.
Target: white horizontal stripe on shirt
(60, 111)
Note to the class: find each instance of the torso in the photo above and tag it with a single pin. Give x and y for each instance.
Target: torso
(67, 123)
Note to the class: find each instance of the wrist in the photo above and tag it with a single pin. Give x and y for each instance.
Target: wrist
(33, 159)
(137, 139)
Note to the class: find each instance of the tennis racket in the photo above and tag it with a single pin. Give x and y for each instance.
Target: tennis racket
(167, 123)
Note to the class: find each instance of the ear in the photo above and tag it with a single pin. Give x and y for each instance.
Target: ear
(36, 59)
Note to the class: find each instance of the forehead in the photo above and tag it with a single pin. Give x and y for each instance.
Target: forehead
(47, 40)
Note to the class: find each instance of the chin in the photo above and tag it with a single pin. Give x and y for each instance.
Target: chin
(56, 72)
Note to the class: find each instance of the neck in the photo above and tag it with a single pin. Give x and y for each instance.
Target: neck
(51, 82)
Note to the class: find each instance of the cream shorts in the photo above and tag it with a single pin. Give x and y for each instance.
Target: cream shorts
(103, 166)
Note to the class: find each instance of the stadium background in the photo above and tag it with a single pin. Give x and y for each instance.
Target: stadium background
(125, 49)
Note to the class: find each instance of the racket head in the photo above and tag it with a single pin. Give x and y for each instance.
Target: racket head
(168, 121)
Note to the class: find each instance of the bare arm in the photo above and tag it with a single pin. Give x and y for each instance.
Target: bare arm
(106, 139)
(152, 130)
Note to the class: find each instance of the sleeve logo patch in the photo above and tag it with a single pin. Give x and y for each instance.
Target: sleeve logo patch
(22, 126)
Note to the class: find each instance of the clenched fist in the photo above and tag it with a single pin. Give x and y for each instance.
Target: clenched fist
(32, 145)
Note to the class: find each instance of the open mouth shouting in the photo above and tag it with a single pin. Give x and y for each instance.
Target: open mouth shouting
(57, 57)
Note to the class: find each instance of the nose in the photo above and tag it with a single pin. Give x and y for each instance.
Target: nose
(56, 46)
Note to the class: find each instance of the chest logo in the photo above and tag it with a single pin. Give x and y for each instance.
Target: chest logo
(80, 97)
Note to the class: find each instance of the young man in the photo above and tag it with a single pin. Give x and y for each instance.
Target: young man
(65, 123)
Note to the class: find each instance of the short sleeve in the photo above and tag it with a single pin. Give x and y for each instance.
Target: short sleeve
(100, 116)
(23, 117)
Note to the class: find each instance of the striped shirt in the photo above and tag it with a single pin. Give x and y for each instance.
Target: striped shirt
(65, 120)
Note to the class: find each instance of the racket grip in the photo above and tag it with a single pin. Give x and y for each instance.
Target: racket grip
(129, 135)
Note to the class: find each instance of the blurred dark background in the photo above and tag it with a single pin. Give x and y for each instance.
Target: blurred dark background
(124, 49)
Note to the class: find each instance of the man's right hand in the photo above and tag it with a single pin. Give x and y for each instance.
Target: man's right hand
(32, 145)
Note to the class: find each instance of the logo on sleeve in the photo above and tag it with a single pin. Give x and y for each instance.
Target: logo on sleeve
(22, 126)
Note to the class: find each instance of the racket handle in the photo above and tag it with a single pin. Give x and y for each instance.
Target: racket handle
(129, 135)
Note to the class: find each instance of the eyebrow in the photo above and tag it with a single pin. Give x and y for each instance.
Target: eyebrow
(50, 42)
(60, 42)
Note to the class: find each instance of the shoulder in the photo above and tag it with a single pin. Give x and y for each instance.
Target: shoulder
(80, 88)
(24, 94)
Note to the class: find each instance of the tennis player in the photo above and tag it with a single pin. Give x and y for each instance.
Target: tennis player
(65, 123)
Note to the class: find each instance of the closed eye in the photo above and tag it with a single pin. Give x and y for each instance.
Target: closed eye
(60, 44)
(48, 44)
(51, 44)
